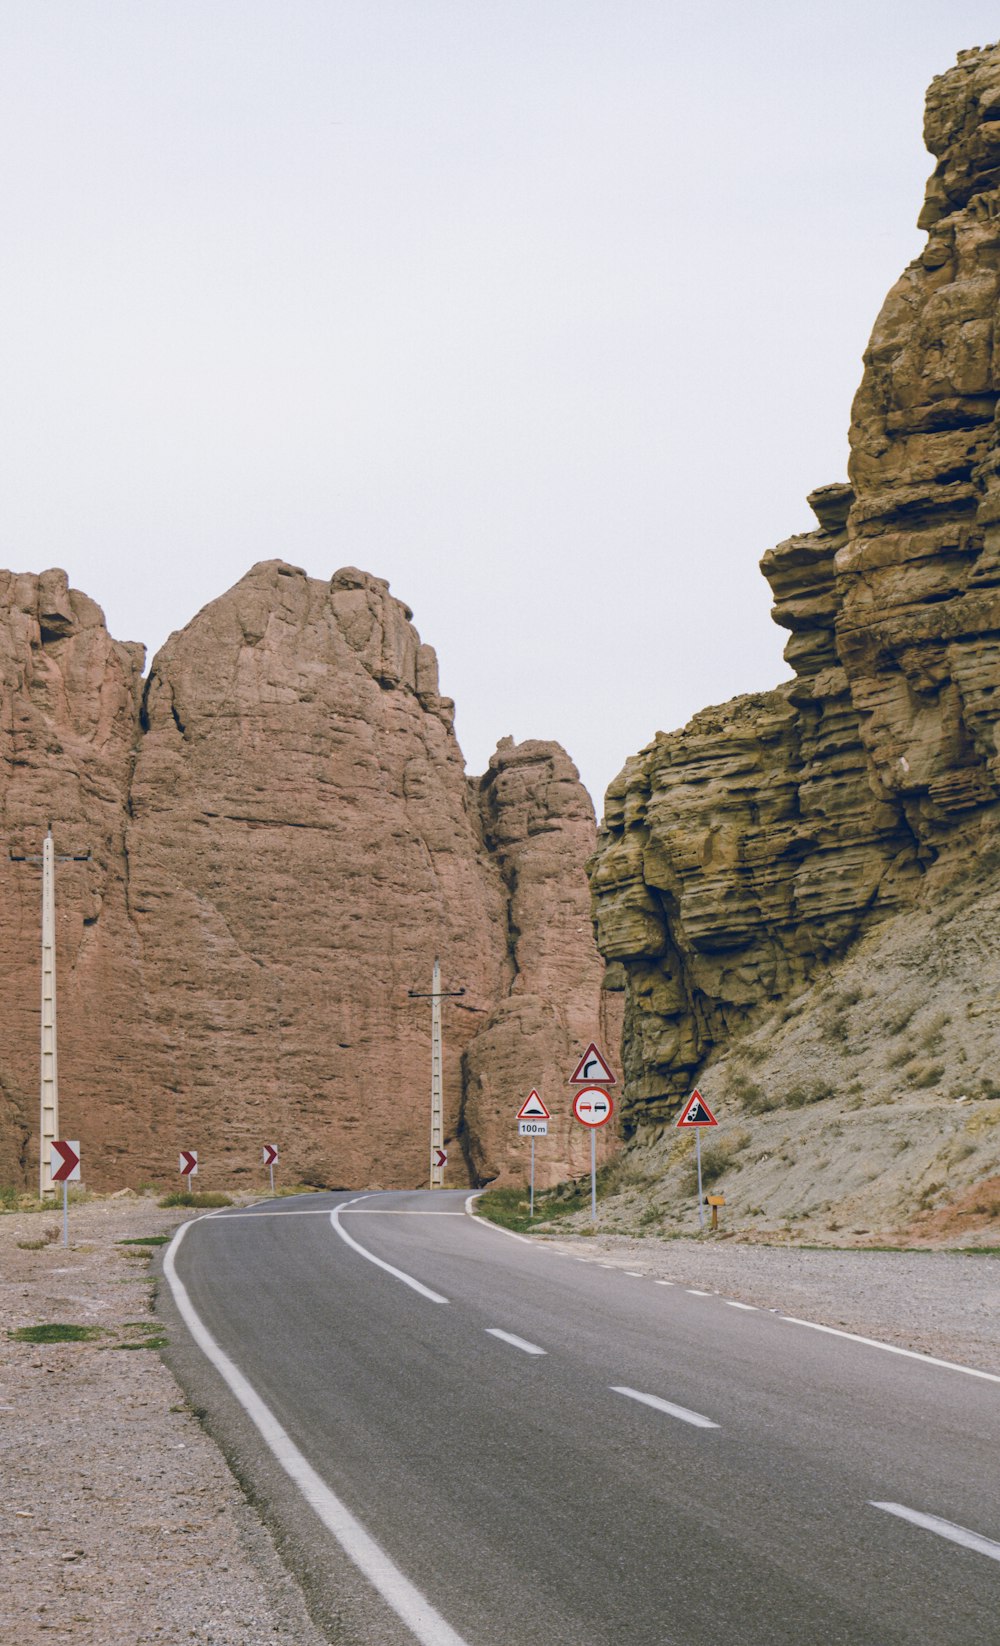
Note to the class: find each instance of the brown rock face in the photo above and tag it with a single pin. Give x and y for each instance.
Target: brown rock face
(283, 839)
(69, 717)
(740, 853)
(536, 821)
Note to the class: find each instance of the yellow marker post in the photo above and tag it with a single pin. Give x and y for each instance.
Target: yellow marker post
(715, 1201)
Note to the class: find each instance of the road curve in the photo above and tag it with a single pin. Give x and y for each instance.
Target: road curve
(542, 1450)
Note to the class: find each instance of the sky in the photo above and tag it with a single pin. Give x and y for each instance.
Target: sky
(549, 311)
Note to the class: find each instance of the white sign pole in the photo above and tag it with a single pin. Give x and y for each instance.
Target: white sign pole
(437, 1119)
(697, 1145)
(50, 1080)
(531, 1208)
(593, 1175)
(65, 1213)
(272, 1176)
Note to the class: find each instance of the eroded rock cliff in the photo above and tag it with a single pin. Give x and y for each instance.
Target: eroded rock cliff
(282, 838)
(740, 853)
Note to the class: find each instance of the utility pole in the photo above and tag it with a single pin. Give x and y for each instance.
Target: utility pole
(49, 1123)
(435, 997)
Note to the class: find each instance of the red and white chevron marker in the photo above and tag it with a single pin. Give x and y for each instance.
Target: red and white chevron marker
(270, 1154)
(189, 1163)
(65, 1162)
(64, 1167)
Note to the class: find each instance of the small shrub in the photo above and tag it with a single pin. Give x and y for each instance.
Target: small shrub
(47, 1238)
(987, 1207)
(716, 1157)
(897, 1018)
(813, 1090)
(145, 1240)
(834, 1026)
(206, 1200)
(898, 1057)
(751, 1096)
(930, 1034)
(922, 1075)
(56, 1332)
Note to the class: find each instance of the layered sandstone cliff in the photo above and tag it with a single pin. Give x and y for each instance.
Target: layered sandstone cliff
(741, 853)
(282, 839)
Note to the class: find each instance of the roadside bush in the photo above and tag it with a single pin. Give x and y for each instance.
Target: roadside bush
(716, 1157)
(205, 1201)
(814, 1090)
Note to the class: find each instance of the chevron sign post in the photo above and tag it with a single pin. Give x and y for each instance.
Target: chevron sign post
(188, 1163)
(64, 1163)
(270, 1157)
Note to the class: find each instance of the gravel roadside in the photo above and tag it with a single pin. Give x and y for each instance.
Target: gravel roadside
(121, 1522)
(941, 1303)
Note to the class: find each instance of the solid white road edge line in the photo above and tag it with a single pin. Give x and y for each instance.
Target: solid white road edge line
(400, 1274)
(944, 1528)
(518, 1342)
(893, 1349)
(667, 1406)
(405, 1599)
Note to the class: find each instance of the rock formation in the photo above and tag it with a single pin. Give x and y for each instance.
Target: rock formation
(741, 852)
(282, 838)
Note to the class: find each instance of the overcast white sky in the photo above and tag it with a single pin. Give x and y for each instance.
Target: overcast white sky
(549, 311)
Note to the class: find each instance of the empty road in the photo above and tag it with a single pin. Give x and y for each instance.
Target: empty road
(468, 1439)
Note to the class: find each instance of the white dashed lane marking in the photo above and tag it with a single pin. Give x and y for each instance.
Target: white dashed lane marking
(515, 1342)
(683, 1412)
(944, 1528)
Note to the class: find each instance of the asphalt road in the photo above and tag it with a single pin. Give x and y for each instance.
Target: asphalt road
(672, 1470)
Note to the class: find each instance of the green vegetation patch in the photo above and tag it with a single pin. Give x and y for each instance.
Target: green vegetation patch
(510, 1207)
(206, 1201)
(145, 1240)
(56, 1331)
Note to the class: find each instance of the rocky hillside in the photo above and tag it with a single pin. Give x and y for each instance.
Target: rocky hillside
(820, 831)
(282, 837)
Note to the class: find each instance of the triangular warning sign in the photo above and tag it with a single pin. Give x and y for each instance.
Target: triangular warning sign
(592, 1070)
(696, 1112)
(533, 1109)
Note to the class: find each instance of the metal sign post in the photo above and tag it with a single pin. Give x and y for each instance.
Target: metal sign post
(270, 1156)
(532, 1121)
(701, 1205)
(64, 1168)
(696, 1114)
(593, 1107)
